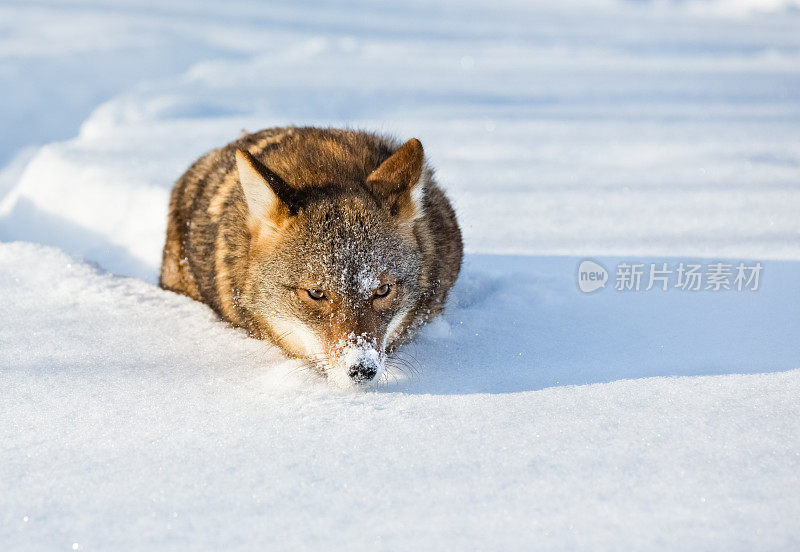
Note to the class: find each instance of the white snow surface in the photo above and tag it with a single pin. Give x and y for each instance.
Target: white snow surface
(529, 416)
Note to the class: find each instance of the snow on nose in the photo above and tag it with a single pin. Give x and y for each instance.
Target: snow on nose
(360, 360)
(361, 373)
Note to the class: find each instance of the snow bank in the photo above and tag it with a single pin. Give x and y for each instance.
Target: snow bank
(627, 132)
(138, 421)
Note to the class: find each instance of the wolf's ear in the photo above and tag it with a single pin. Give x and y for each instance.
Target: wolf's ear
(400, 178)
(269, 198)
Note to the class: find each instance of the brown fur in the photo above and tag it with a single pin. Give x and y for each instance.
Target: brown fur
(217, 252)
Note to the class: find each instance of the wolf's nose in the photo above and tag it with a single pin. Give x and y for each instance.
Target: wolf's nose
(362, 372)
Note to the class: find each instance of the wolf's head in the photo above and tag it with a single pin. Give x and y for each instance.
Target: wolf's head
(335, 272)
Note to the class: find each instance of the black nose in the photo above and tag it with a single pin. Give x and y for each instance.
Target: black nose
(362, 372)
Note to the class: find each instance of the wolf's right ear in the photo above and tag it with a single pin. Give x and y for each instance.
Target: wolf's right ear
(269, 198)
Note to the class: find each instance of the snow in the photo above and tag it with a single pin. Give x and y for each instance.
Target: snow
(130, 432)
(530, 415)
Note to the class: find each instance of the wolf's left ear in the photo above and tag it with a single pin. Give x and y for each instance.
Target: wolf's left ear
(400, 179)
(269, 198)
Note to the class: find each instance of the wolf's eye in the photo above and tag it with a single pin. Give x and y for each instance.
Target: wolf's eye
(316, 294)
(383, 291)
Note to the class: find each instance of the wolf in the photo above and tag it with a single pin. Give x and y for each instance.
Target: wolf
(334, 245)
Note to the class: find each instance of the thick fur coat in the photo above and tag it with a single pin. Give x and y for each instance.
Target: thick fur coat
(333, 244)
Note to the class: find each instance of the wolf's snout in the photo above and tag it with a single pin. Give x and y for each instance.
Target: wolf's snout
(362, 372)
